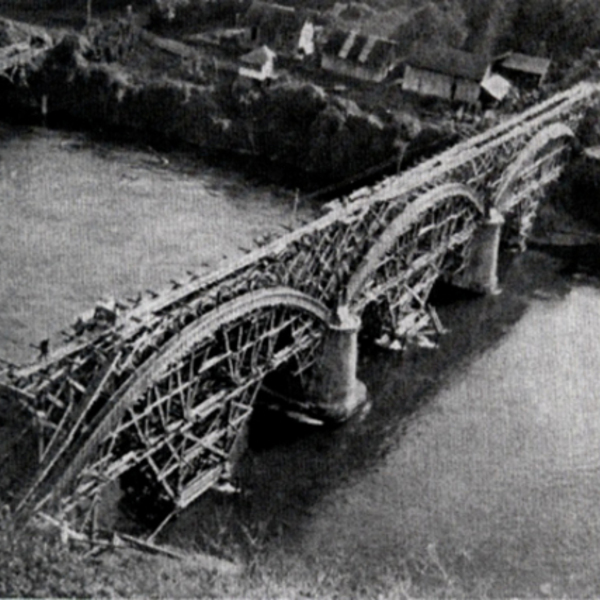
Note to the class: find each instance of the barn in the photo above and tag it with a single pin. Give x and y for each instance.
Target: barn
(352, 54)
(522, 69)
(445, 72)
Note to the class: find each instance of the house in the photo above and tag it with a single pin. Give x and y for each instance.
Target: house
(259, 64)
(445, 72)
(286, 30)
(528, 71)
(352, 54)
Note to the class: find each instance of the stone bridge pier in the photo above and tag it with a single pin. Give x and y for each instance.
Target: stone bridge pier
(481, 272)
(334, 389)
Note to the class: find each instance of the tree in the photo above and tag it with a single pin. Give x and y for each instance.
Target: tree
(562, 27)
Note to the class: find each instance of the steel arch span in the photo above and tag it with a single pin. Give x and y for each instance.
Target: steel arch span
(104, 399)
(428, 240)
(526, 179)
(176, 419)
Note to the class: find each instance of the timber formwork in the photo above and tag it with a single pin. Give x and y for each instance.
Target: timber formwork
(154, 391)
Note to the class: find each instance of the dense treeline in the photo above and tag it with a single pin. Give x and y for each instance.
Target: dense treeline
(560, 29)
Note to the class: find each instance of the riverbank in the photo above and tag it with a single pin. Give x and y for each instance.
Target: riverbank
(293, 124)
(117, 76)
(36, 563)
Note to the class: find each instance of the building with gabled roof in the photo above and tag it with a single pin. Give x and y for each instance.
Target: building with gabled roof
(523, 69)
(496, 87)
(283, 28)
(445, 72)
(360, 56)
(258, 64)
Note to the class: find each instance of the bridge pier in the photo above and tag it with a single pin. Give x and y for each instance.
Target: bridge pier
(481, 273)
(334, 390)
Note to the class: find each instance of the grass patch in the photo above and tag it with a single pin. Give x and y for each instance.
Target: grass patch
(36, 563)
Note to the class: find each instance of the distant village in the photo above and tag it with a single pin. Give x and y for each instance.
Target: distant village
(342, 93)
(267, 39)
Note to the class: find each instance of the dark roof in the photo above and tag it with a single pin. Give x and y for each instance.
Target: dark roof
(273, 20)
(335, 41)
(536, 65)
(367, 50)
(382, 52)
(258, 57)
(449, 61)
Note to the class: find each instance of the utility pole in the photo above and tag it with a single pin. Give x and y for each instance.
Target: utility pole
(89, 12)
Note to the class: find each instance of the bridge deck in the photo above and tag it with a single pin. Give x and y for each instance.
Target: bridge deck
(166, 381)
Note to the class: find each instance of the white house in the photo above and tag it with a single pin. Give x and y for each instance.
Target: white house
(306, 40)
(258, 64)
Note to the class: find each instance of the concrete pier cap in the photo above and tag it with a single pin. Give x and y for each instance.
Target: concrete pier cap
(334, 388)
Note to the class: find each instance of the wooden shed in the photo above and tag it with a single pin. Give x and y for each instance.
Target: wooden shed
(522, 69)
(445, 72)
(365, 57)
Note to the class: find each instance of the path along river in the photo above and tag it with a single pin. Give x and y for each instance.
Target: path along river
(479, 462)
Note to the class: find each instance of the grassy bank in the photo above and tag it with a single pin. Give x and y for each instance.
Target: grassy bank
(36, 563)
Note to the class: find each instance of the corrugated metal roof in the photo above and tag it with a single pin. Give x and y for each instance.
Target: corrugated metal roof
(536, 65)
(449, 61)
(367, 50)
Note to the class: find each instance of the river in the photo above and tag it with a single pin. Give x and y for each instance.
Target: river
(84, 219)
(477, 469)
(478, 464)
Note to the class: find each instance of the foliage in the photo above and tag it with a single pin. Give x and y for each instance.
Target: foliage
(441, 23)
(35, 563)
(561, 29)
(196, 12)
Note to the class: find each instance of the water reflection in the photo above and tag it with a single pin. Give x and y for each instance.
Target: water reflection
(482, 457)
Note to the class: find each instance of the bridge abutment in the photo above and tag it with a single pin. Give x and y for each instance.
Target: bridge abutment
(481, 273)
(334, 389)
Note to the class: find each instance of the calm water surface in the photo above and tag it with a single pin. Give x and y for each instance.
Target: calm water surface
(84, 220)
(479, 461)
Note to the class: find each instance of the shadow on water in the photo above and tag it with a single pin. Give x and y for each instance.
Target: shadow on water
(289, 467)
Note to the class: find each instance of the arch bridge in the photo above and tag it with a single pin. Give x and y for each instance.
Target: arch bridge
(154, 393)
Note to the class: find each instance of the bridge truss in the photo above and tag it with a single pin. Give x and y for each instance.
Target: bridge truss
(153, 392)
